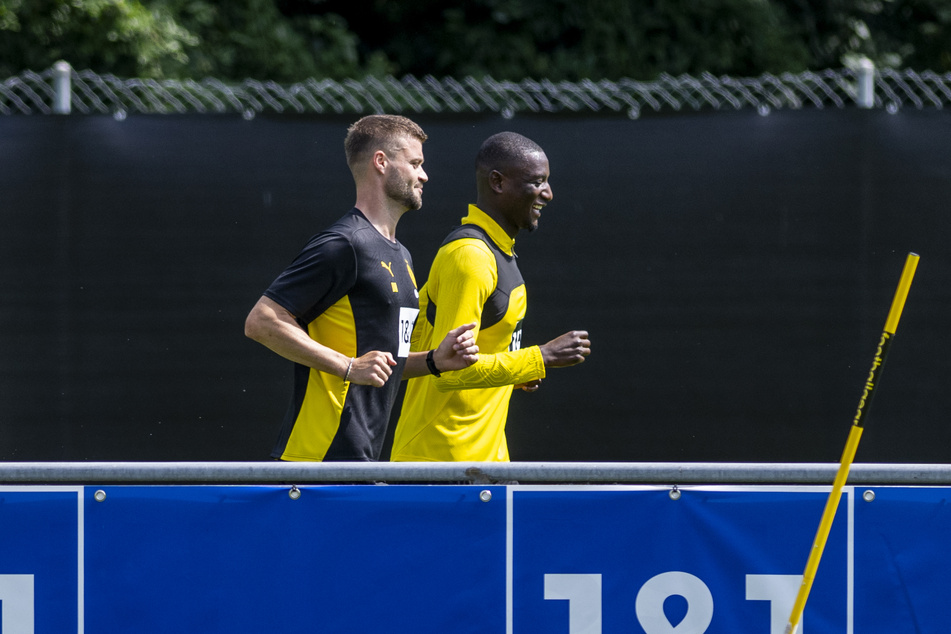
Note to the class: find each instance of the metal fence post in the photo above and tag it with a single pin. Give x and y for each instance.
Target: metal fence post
(865, 84)
(62, 87)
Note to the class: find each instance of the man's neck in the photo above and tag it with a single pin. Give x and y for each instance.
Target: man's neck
(384, 217)
(498, 218)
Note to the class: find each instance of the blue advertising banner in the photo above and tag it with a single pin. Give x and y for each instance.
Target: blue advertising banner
(41, 559)
(515, 559)
(903, 560)
(720, 561)
(336, 559)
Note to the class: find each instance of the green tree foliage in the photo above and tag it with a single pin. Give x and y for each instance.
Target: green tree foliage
(908, 34)
(566, 39)
(892, 33)
(119, 36)
(291, 40)
(252, 38)
(179, 38)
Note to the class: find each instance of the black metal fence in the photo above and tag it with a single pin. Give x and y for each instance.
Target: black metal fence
(734, 271)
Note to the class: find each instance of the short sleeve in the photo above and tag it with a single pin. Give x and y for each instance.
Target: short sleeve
(322, 273)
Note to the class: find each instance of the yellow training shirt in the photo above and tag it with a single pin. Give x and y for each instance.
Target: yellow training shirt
(460, 416)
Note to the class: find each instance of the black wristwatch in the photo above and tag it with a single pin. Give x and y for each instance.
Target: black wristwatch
(431, 364)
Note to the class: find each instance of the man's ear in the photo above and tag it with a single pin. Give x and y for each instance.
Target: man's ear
(496, 179)
(380, 161)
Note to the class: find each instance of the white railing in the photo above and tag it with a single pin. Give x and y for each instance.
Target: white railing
(663, 473)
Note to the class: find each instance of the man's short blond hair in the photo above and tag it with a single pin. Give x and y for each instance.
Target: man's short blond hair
(378, 132)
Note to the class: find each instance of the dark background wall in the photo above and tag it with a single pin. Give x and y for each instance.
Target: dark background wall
(734, 272)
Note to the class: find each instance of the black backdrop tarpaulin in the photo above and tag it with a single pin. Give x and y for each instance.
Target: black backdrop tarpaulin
(734, 271)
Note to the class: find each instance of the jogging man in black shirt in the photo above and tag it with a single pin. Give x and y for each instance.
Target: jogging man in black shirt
(344, 310)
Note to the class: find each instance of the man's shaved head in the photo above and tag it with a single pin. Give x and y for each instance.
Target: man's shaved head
(503, 150)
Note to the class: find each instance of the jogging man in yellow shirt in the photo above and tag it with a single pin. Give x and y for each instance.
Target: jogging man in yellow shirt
(460, 416)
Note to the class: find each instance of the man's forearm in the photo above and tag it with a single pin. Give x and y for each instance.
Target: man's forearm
(496, 370)
(273, 327)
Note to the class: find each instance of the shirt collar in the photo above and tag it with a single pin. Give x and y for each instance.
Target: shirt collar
(478, 217)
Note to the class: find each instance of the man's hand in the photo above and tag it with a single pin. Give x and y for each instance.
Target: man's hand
(373, 368)
(569, 349)
(458, 350)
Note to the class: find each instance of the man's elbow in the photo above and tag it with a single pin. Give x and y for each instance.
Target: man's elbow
(250, 329)
(254, 324)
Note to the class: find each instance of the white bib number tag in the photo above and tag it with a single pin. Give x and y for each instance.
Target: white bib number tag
(516, 343)
(407, 321)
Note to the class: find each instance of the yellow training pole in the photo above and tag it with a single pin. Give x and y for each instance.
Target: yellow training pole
(825, 525)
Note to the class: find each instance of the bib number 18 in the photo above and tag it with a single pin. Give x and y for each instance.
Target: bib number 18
(405, 332)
